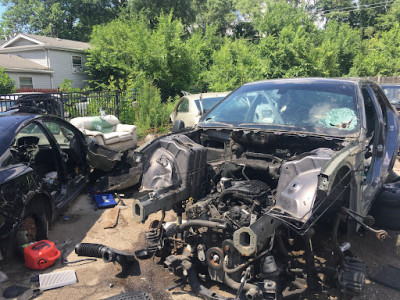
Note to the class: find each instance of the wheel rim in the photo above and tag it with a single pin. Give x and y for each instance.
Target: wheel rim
(28, 231)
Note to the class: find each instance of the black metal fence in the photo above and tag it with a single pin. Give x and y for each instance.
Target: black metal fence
(71, 105)
(91, 103)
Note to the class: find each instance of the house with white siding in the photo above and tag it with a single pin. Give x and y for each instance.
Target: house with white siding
(39, 62)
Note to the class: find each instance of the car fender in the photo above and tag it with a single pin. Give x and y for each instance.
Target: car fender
(350, 159)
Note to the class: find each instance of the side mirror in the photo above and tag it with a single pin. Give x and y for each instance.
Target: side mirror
(178, 126)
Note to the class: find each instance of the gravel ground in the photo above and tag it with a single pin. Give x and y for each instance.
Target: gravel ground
(98, 280)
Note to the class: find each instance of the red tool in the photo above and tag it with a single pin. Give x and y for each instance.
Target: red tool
(41, 255)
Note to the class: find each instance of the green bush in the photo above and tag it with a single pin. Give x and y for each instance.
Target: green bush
(142, 106)
(7, 85)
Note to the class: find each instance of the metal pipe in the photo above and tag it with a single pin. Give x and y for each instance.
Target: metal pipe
(243, 265)
(236, 285)
(195, 223)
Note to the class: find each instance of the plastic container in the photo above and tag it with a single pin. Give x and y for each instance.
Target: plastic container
(41, 255)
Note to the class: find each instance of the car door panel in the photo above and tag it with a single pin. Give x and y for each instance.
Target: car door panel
(385, 143)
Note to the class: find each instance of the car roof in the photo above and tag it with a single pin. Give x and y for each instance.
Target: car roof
(11, 120)
(206, 95)
(315, 80)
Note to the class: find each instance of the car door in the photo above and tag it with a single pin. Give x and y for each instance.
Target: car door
(186, 112)
(33, 146)
(71, 148)
(382, 142)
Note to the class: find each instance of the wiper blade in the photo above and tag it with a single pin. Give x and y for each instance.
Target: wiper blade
(204, 124)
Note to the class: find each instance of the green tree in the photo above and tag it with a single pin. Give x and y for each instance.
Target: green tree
(379, 56)
(72, 19)
(201, 46)
(290, 54)
(370, 10)
(278, 14)
(390, 19)
(7, 85)
(127, 47)
(218, 13)
(237, 62)
(341, 11)
(337, 49)
(183, 10)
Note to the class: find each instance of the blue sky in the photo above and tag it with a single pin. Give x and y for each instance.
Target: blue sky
(2, 9)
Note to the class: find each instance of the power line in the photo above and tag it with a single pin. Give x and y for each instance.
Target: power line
(365, 6)
(356, 8)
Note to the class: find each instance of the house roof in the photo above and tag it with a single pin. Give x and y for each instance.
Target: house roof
(34, 41)
(18, 64)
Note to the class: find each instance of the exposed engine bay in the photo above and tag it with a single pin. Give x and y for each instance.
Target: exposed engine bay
(250, 200)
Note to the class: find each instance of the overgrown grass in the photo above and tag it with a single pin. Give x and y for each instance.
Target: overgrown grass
(143, 107)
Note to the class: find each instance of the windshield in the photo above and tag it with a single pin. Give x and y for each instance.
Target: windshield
(393, 94)
(324, 108)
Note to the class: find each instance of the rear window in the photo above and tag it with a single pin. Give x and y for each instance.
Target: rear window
(393, 94)
(208, 103)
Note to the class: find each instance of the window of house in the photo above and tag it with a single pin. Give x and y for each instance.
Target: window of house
(25, 83)
(77, 66)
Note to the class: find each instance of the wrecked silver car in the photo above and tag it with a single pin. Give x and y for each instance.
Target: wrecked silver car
(271, 167)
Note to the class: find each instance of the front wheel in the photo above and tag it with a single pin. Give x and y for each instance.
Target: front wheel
(34, 225)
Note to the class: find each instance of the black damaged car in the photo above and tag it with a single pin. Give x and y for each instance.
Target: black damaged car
(42, 168)
(269, 181)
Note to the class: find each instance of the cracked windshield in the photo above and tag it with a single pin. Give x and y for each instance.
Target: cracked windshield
(324, 108)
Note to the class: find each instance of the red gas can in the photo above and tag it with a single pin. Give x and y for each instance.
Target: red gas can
(41, 255)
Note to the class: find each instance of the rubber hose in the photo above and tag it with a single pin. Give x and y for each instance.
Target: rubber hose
(90, 250)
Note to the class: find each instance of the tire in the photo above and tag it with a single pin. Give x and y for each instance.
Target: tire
(36, 218)
(35, 223)
(386, 209)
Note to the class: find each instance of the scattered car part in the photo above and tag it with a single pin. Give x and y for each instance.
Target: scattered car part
(352, 276)
(57, 279)
(386, 209)
(387, 275)
(125, 259)
(174, 167)
(65, 261)
(135, 295)
(380, 234)
(3, 277)
(110, 218)
(14, 291)
(41, 255)
(101, 157)
(104, 200)
(126, 170)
